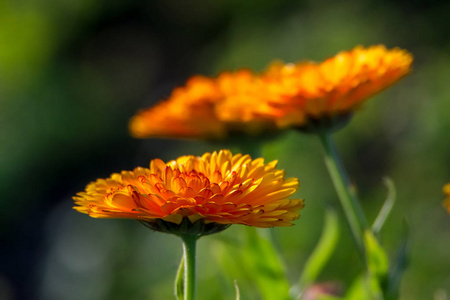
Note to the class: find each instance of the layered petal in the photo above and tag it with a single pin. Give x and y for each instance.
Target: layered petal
(208, 108)
(284, 95)
(310, 91)
(217, 187)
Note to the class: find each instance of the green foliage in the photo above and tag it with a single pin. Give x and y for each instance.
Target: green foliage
(398, 267)
(387, 206)
(236, 287)
(256, 264)
(323, 251)
(372, 284)
(364, 287)
(376, 257)
(179, 281)
(266, 265)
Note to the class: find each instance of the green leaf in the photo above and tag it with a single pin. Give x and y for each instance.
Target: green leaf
(265, 265)
(373, 284)
(398, 266)
(179, 281)
(236, 287)
(323, 251)
(364, 287)
(376, 256)
(387, 206)
(249, 256)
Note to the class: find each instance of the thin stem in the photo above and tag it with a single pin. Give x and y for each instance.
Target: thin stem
(189, 249)
(349, 202)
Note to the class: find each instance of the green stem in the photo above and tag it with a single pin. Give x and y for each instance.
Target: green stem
(350, 204)
(189, 245)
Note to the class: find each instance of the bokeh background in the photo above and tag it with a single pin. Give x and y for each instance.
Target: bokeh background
(72, 73)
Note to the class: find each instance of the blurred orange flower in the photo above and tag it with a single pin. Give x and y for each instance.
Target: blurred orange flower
(309, 91)
(188, 113)
(447, 194)
(217, 188)
(285, 95)
(207, 108)
(244, 106)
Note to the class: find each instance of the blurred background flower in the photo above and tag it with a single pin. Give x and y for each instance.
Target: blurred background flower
(310, 92)
(72, 73)
(208, 108)
(447, 196)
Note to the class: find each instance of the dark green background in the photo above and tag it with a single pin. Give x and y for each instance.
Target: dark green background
(72, 73)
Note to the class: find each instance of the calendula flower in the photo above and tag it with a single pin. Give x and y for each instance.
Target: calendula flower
(188, 113)
(321, 93)
(447, 196)
(209, 108)
(244, 106)
(215, 189)
(286, 95)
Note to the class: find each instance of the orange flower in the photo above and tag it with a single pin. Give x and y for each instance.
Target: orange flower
(336, 87)
(188, 113)
(447, 194)
(292, 95)
(244, 106)
(208, 108)
(215, 188)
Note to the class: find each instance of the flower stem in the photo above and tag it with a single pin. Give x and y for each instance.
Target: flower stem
(189, 247)
(349, 202)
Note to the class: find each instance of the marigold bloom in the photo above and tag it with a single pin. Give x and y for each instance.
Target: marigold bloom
(216, 188)
(208, 108)
(447, 194)
(188, 113)
(244, 106)
(336, 87)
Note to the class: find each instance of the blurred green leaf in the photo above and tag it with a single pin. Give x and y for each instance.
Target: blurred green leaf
(387, 206)
(371, 285)
(179, 281)
(398, 267)
(236, 287)
(250, 257)
(323, 251)
(377, 259)
(265, 265)
(364, 287)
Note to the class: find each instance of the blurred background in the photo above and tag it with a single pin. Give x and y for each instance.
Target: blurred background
(72, 73)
